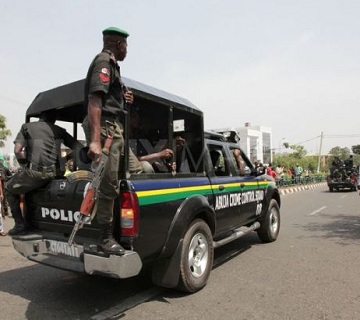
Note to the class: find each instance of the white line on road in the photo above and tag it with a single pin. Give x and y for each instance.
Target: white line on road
(317, 211)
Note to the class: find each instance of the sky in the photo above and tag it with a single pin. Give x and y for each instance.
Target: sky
(290, 65)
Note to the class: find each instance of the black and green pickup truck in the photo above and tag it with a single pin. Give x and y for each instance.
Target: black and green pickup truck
(171, 221)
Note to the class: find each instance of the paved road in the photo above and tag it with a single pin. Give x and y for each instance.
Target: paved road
(310, 272)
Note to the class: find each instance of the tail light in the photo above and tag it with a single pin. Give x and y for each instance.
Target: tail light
(129, 214)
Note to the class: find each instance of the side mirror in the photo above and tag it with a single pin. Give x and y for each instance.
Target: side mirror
(259, 171)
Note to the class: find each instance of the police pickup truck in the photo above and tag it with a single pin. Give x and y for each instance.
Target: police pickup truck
(343, 175)
(168, 220)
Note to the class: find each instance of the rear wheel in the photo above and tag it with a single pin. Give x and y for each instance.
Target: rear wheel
(196, 257)
(270, 224)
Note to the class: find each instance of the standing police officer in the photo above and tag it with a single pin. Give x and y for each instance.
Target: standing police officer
(5, 174)
(38, 150)
(104, 99)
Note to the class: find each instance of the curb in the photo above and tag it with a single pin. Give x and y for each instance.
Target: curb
(293, 189)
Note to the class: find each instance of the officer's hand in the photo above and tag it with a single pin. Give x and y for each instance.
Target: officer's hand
(172, 166)
(237, 153)
(166, 154)
(129, 97)
(94, 152)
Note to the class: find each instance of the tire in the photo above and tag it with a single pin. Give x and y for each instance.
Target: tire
(331, 188)
(270, 224)
(197, 257)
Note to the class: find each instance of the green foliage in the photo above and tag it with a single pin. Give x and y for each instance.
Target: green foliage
(299, 151)
(290, 161)
(342, 153)
(356, 149)
(311, 162)
(298, 156)
(4, 131)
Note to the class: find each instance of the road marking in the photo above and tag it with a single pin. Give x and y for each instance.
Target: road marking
(127, 304)
(317, 211)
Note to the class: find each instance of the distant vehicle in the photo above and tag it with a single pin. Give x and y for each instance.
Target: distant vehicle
(343, 175)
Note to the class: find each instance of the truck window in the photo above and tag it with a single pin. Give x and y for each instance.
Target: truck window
(238, 160)
(155, 127)
(218, 161)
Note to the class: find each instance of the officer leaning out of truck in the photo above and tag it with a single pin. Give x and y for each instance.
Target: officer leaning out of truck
(37, 149)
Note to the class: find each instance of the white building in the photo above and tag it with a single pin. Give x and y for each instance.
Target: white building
(255, 141)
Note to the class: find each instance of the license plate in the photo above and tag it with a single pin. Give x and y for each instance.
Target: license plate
(63, 248)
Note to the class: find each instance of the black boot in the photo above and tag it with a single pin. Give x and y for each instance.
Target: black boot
(107, 243)
(19, 227)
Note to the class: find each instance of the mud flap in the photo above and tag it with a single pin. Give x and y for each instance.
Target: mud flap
(166, 272)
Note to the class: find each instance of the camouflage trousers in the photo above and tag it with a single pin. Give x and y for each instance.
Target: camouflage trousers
(109, 186)
(23, 182)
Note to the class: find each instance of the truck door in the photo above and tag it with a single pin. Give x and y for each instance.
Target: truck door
(251, 196)
(226, 187)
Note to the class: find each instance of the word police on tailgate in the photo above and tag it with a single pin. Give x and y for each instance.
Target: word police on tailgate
(60, 214)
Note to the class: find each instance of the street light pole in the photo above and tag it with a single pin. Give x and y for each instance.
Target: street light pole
(321, 139)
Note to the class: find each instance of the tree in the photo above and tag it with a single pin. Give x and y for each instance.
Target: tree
(4, 131)
(342, 153)
(356, 149)
(299, 151)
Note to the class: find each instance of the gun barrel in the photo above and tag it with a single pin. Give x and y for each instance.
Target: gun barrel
(73, 233)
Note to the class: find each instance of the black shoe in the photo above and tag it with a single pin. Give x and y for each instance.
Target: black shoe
(17, 230)
(111, 246)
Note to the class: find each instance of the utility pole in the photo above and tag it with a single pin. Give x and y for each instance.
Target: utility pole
(319, 160)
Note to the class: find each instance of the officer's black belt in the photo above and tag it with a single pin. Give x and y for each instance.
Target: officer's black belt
(38, 168)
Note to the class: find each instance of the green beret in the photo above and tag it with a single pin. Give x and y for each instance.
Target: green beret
(115, 31)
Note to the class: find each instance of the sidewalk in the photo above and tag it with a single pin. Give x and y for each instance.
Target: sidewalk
(8, 224)
(292, 189)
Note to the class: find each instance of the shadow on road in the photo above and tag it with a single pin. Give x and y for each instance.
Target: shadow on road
(50, 293)
(56, 294)
(343, 228)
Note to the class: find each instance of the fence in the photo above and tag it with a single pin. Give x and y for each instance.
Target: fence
(296, 181)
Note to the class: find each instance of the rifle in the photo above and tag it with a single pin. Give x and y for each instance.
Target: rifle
(87, 205)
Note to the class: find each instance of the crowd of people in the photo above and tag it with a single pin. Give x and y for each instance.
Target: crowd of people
(293, 175)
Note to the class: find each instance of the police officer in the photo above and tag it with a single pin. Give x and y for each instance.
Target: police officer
(38, 150)
(105, 98)
(5, 174)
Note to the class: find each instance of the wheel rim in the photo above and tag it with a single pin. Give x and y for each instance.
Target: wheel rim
(274, 221)
(198, 255)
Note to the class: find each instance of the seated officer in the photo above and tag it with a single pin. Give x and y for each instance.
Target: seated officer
(239, 161)
(145, 152)
(38, 150)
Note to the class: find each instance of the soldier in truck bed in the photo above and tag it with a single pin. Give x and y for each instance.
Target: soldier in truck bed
(37, 149)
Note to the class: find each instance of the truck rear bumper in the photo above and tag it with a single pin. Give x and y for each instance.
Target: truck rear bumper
(79, 258)
(342, 185)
